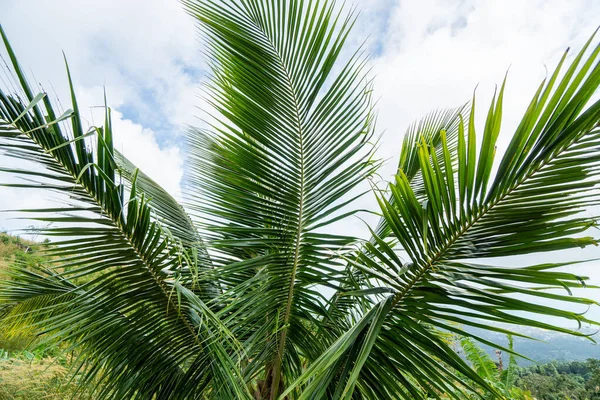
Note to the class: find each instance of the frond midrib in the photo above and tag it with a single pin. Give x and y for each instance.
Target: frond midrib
(296, 257)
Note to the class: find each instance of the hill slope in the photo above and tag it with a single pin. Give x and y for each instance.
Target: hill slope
(551, 347)
(29, 370)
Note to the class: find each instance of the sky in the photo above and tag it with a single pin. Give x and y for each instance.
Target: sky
(425, 55)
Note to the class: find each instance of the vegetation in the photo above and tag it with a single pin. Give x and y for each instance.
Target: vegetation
(13, 250)
(25, 375)
(576, 380)
(30, 369)
(223, 297)
(573, 380)
(500, 376)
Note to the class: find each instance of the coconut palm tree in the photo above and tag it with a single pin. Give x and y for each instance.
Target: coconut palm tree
(243, 291)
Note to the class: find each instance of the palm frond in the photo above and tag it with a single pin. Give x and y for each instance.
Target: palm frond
(481, 361)
(292, 143)
(128, 308)
(178, 226)
(535, 202)
(439, 128)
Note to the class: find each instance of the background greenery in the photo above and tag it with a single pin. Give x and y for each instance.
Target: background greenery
(29, 369)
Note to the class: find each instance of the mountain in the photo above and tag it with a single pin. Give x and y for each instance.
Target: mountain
(551, 346)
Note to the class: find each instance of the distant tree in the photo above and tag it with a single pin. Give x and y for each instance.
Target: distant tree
(592, 383)
(562, 380)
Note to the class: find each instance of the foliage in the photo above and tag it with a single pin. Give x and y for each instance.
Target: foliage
(25, 253)
(500, 376)
(14, 249)
(223, 297)
(30, 369)
(575, 380)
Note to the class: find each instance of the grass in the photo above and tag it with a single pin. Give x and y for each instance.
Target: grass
(25, 376)
(14, 249)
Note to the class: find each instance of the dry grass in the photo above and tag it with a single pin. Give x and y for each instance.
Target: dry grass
(23, 379)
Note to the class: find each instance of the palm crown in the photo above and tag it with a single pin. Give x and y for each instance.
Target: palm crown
(224, 296)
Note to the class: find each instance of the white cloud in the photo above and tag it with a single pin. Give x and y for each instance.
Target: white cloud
(436, 52)
(145, 54)
(139, 145)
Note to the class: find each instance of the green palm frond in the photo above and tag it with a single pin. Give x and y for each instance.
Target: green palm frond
(440, 129)
(535, 202)
(169, 212)
(289, 149)
(110, 238)
(431, 128)
(178, 226)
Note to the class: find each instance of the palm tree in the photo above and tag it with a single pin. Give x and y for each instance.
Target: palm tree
(502, 378)
(242, 291)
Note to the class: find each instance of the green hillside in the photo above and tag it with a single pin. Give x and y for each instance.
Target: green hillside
(551, 346)
(29, 369)
(13, 248)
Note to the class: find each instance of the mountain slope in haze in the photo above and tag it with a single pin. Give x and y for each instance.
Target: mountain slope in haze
(552, 346)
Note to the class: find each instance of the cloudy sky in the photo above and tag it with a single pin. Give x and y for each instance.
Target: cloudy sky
(426, 54)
